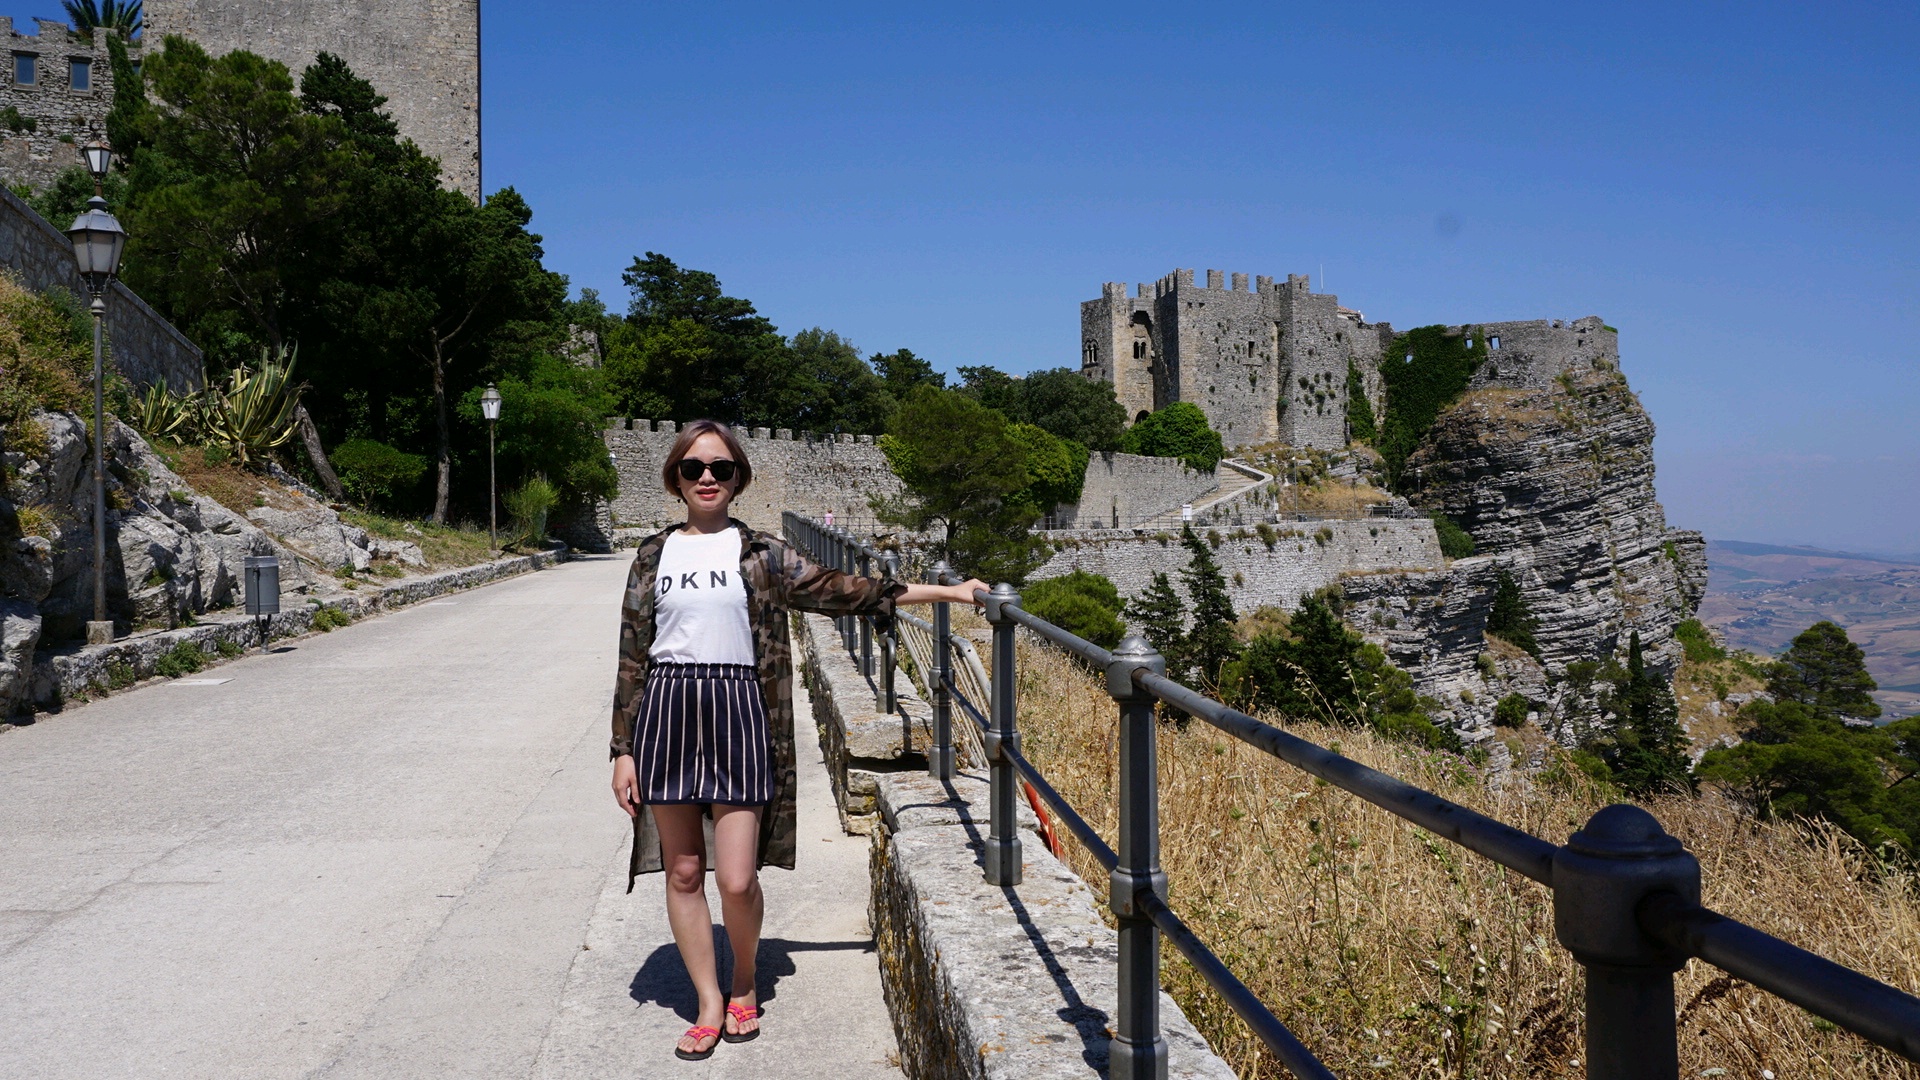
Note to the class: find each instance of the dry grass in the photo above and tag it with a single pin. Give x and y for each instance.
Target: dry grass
(1392, 952)
(1332, 498)
(223, 481)
(444, 546)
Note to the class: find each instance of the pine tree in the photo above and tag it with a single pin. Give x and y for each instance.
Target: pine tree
(1825, 671)
(1162, 619)
(1211, 642)
(1649, 747)
(1510, 620)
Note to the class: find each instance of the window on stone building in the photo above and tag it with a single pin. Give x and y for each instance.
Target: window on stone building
(23, 65)
(80, 73)
(1139, 350)
(1493, 342)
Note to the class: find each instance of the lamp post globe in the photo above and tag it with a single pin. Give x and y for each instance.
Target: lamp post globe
(490, 408)
(98, 242)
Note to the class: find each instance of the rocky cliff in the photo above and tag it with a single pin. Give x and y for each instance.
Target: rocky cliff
(1556, 485)
(172, 553)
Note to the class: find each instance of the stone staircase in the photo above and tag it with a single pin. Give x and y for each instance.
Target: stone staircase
(1237, 478)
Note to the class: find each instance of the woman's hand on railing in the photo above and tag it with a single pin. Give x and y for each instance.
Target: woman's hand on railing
(944, 594)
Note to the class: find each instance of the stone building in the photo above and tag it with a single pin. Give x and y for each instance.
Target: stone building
(1270, 363)
(55, 91)
(425, 57)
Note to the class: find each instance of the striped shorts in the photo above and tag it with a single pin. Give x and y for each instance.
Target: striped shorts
(702, 736)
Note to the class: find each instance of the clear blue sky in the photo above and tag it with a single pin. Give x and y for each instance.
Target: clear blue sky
(1733, 186)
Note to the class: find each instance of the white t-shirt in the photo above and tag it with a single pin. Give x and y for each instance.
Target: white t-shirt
(700, 602)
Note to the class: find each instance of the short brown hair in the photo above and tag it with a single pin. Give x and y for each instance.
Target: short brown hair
(670, 472)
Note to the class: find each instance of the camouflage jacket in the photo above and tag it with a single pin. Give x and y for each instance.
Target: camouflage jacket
(777, 579)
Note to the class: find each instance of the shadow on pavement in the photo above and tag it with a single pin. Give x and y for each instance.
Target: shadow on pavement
(663, 980)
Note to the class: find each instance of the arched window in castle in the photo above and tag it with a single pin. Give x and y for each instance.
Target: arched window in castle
(1142, 336)
(1089, 353)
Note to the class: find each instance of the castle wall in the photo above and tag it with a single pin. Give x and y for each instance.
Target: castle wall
(145, 347)
(1123, 489)
(63, 117)
(1227, 362)
(424, 56)
(1530, 355)
(1306, 556)
(808, 474)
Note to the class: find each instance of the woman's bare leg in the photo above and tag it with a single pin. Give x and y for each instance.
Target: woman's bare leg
(683, 854)
(736, 833)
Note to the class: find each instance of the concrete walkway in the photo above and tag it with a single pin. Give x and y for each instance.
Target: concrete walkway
(385, 851)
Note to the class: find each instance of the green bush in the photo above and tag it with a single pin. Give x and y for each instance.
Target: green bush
(529, 504)
(1179, 430)
(231, 649)
(327, 617)
(1511, 711)
(376, 474)
(1698, 643)
(1080, 603)
(184, 658)
(1455, 542)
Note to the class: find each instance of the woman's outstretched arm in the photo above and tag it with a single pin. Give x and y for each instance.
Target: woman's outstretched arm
(934, 594)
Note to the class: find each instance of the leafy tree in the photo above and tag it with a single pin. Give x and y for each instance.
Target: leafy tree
(1824, 670)
(1073, 407)
(1179, 430)
(551, 412)
(903, 372)
(995, 389)
(1084, 604)
(1360, 427)
(962, 468)
(689, 350)
(1455, 542)
(1797, 762)
(1510, 620)
(827, 388)
(1647, 748)
(1057, 468)
(1211, 643)
(1162, 619)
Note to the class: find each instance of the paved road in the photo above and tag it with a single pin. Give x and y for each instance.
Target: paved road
(386, 851)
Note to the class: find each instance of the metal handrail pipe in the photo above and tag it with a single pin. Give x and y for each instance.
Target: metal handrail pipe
(979, 718)
(1519, 851)
(1266, 1026)
(1881, 1014)
(1077, 825)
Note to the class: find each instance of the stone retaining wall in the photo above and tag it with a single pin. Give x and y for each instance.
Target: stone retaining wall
(1304, 556)
(96, 669)
(808, 474)
(981, 981)
(1122, 489)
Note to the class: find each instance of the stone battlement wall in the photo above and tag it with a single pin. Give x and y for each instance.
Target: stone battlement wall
(1306, 556)
(424, 57)
(806, 473)
(145, 347)
(1125, 488)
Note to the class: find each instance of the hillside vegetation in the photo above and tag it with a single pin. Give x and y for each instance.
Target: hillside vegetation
(1391, 952)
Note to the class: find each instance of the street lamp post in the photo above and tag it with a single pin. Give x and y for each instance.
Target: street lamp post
(98, 241)
(490, 408)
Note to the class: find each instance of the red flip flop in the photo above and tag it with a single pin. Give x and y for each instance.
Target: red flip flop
(741, 1014)
(698, 1033)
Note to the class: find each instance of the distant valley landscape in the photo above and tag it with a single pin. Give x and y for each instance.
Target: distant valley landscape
(1760, 595)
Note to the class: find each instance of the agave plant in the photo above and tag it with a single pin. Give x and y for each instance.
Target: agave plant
(256, 412)
(162, 414)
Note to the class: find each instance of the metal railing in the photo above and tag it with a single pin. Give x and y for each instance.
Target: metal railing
(838, 549)
(1626, 894)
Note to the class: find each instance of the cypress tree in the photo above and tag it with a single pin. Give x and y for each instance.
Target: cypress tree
(1162, 620)
(1510, 620)
(1649, 749)
(1210, 644)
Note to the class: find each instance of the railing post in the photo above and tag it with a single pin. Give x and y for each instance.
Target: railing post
(890, 652)
(865, 563)
(1138, 1051)
(843, 560)
(1002, 857)
(1600, 877)
(940, 754)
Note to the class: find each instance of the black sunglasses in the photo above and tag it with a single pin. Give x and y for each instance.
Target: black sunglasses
(691, 468)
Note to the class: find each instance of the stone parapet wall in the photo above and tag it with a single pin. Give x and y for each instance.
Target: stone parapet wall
(1122, 489)
(860, 742)
(145, 347)
(806, 473)
(1305, 556)
(981, 981)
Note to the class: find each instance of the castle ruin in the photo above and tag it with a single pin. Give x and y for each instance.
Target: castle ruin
(1270, 363)
(424, 57)
(54, 95)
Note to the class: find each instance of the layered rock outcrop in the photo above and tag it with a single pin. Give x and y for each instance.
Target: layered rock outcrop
(172, 553)
(1556, 485)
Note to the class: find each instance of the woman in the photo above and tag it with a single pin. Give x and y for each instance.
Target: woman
(703, 712)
